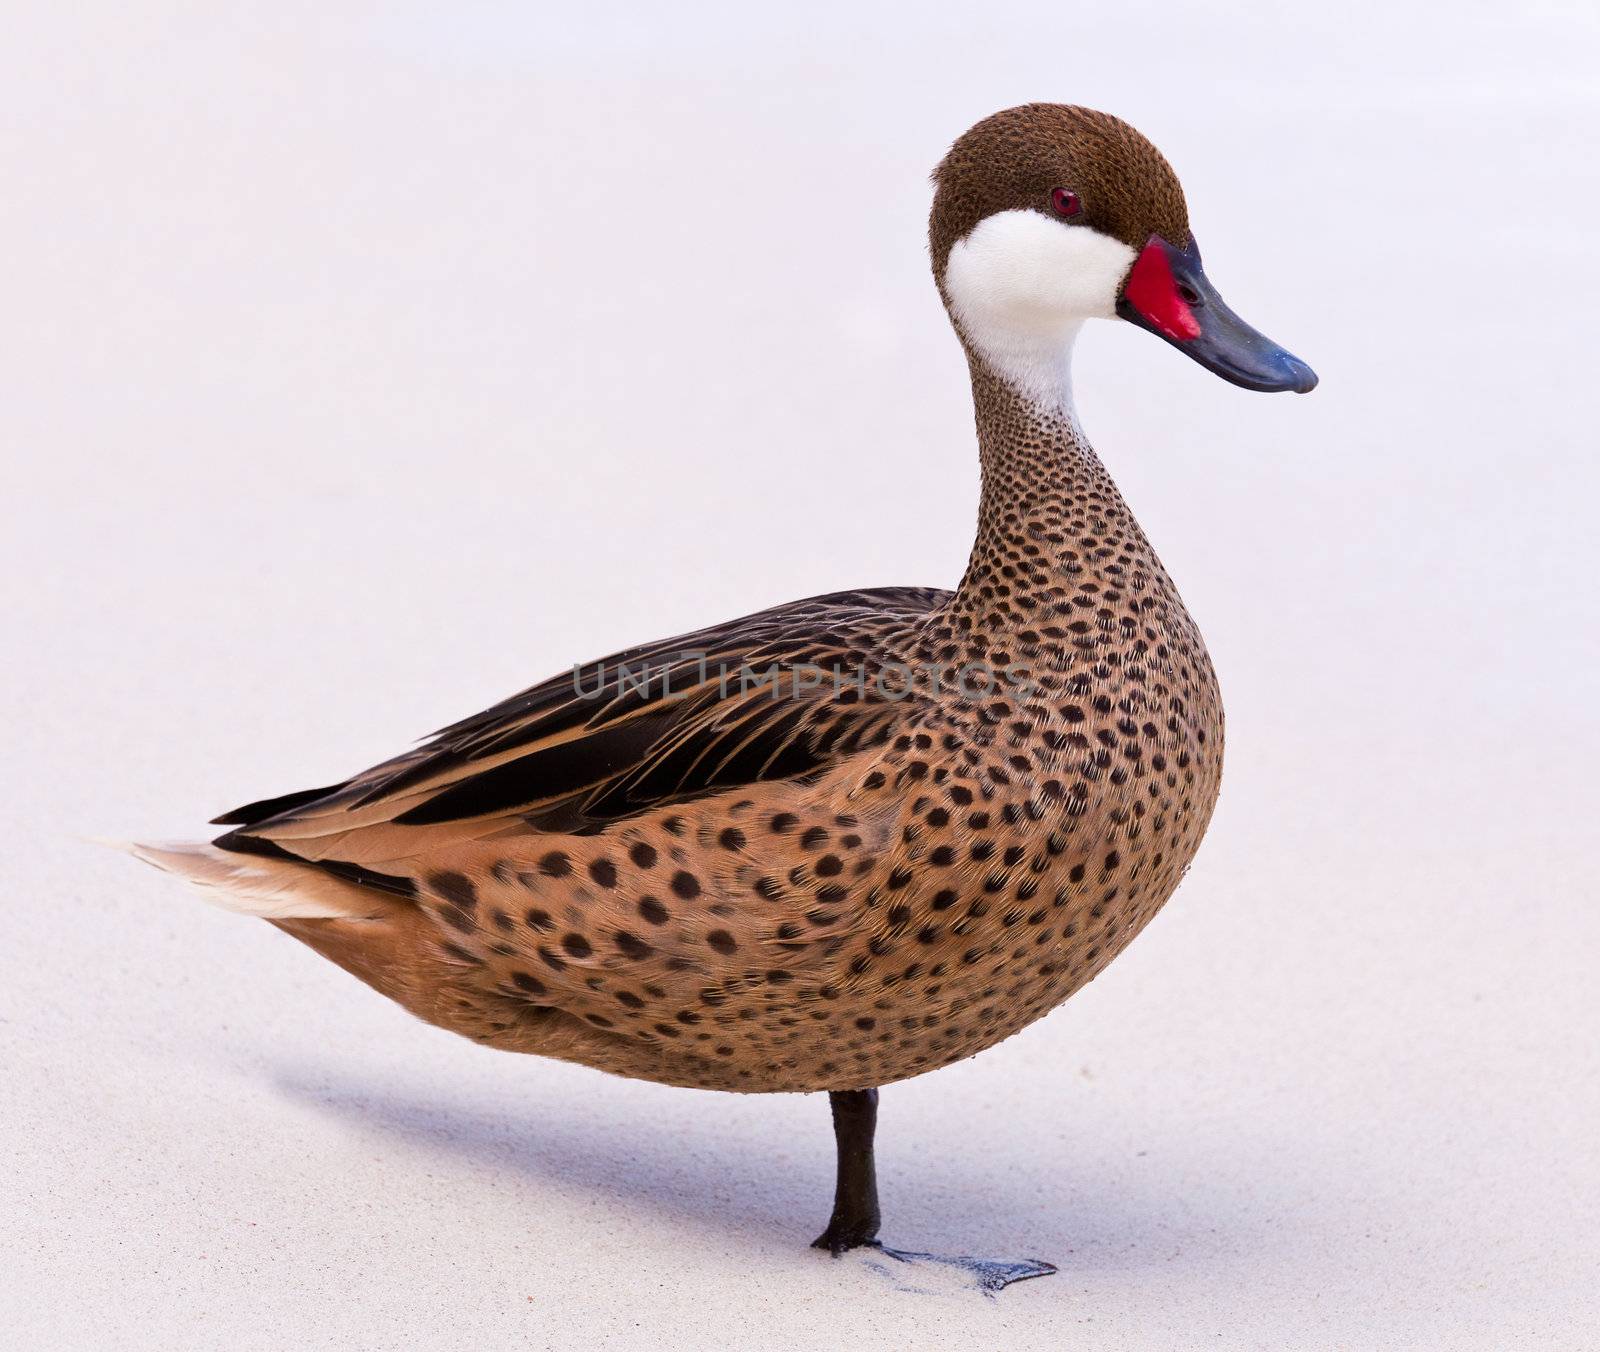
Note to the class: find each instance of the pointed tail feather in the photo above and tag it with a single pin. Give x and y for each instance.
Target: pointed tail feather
(252, 885)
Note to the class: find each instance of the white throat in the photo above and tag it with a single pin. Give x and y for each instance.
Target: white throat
(1020, 286)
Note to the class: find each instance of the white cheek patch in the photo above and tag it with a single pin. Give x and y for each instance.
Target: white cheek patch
(1020, 286)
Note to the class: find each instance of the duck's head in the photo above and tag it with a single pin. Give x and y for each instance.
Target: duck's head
(1047, 215)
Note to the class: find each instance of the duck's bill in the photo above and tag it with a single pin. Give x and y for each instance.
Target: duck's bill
(1169, 293)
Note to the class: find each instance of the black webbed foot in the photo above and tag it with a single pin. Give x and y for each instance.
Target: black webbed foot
(855, 1220)
(987, 1274)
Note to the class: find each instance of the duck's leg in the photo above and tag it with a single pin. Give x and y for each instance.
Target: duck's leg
(855, 1220)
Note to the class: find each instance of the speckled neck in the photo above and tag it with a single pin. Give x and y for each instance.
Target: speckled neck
(1053, 531)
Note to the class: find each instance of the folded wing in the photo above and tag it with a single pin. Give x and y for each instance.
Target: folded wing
(779, 695)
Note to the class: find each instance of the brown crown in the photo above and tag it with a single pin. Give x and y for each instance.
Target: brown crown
(1015, 159)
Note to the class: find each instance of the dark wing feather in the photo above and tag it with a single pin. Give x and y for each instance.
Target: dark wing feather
(586, 749)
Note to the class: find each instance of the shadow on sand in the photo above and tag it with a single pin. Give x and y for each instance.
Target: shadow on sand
(723, 1181)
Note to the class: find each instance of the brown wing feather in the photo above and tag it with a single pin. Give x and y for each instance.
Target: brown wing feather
(583, 751)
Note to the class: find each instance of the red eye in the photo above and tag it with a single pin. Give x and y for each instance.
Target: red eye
(1066, 203)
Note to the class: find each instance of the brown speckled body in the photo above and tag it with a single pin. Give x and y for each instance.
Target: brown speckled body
(871, 887)
(914, 905)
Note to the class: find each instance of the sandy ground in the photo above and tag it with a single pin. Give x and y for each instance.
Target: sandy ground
(363, 365)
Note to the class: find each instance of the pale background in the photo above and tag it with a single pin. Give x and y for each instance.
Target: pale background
(363, 364)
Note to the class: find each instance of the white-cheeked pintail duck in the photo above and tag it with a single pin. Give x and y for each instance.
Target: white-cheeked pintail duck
(854, 838)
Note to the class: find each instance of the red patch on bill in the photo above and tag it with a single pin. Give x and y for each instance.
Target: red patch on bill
(1153, 292)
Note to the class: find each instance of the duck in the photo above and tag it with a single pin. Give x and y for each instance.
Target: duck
(854, 838)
